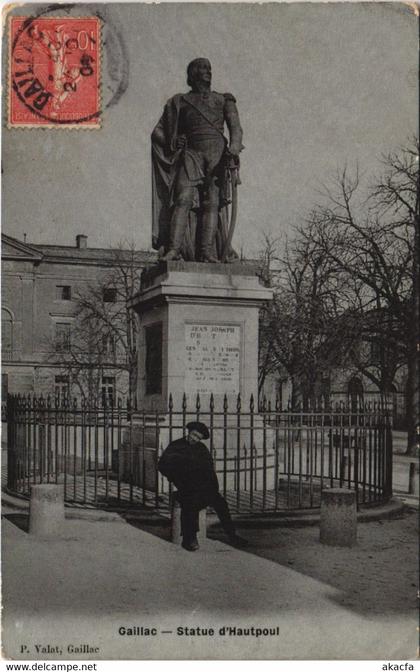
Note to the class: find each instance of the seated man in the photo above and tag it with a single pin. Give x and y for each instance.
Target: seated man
(187, 463)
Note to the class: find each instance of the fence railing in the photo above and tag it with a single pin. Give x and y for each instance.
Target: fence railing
(267, 459)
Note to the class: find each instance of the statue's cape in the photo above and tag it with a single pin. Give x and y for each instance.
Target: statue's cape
(166, 162)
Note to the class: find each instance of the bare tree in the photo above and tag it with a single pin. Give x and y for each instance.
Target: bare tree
(85, 359)
(104, 332)
(374, 243)
(397, 197)
(270, 361)
(302, 331)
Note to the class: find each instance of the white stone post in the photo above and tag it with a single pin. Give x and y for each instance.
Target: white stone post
(338, 517)
(176, 536)
(46, 510)
(413, 479)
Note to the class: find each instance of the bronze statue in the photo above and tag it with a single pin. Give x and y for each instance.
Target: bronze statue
(195, 171)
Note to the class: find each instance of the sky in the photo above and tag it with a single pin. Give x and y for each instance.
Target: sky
(317, 85)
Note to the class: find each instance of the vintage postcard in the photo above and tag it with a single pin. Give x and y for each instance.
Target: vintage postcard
(210, 314)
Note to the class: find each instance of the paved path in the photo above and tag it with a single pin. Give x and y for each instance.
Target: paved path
(100, 576)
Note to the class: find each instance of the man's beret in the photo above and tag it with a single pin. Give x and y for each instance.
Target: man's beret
(199, 427)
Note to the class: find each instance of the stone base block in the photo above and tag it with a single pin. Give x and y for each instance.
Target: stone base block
(413, 479)
(176, 536)
(338, 517)
(46, 510)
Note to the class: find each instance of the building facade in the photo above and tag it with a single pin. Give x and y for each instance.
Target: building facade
(40, 286)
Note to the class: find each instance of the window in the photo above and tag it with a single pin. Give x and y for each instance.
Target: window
(6, 332)
(62, 387)
(375, 352)
(326, 389)
(4, 385)
(355, 393)
(63, 293)
(381, 352)
(108, 345)
(108, 391)
(109, 294)
(62, 337)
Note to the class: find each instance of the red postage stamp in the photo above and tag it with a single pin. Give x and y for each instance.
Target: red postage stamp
(54, 72)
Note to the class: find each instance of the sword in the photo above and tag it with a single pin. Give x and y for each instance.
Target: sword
(233, 167)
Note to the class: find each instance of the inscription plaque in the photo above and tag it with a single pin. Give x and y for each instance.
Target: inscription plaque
(212, 358)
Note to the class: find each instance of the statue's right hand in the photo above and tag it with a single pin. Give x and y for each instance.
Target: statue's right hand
(181, 142)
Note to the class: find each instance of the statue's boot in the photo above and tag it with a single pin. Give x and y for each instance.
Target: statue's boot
(171, 255)
(178, 226)
(210, 217)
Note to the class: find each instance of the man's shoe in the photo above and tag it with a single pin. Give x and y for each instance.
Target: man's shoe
(238, 541)
(191, 545)
(209, 259)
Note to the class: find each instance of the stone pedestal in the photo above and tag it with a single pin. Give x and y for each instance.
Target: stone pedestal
(198, 333)
(198, 337)
(338, 517)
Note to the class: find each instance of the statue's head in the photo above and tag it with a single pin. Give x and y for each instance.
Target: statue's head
(199, 70)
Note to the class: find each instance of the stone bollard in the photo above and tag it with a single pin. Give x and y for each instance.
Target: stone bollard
(46, 510)
(338, 517)
(413, 479)
(176, 536)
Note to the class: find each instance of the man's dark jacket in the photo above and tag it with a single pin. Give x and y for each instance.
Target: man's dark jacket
(190, 468)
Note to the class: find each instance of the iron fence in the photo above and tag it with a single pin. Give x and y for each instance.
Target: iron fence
(267, 458)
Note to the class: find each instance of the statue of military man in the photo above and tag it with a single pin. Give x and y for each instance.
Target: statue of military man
(195, 171)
